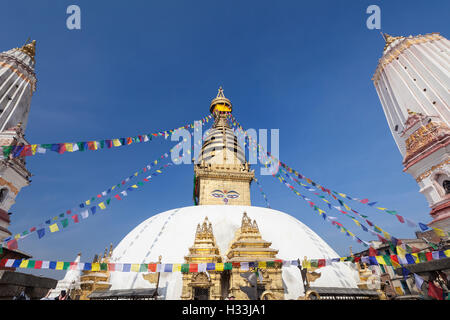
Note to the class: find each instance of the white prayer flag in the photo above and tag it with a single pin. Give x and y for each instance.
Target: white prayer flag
(75, 147)
(41, 150)
(80, 265)
(202, 267)
(118, 267)
(84, 214)
(45, 264)
(9, 263)
(244, 266)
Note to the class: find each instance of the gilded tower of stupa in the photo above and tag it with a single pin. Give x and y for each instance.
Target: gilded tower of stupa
(222, 175)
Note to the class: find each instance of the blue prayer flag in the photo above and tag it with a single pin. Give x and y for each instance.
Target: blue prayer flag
(211, 266)
(16, 263)
(87, 266)
(93, 209)
(423, 226)
(126, 267)
(168, 267)
(52, 265)
(41, 233)
(373, 260)
(410, 258)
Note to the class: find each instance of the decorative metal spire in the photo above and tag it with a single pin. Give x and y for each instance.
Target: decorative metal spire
(389, 39)
(222, 103)
(29, 49)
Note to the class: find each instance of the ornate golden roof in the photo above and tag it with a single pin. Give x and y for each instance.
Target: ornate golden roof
(29, 49)
(220, 99)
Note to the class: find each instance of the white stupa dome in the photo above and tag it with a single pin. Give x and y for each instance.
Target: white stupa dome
(172, 232)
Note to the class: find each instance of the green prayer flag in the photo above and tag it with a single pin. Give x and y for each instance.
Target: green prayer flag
(227, 266)
(1, 249)
(46, 146)
(387, 259)
(25, 233)
(185, 267)
(144, 267)
(61, 215)
(314, 263)
(66, 265)
(102, 144)
(422, 257)
(103, 266)
(31, 264)
(140, 183)
(108, 201)
(80, 146)
(270, 264)
(7, 151)
(64, 222)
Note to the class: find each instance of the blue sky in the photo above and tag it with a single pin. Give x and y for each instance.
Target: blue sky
(142, 66)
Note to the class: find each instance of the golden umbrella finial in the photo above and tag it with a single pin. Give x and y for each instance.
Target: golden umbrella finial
(29, 48)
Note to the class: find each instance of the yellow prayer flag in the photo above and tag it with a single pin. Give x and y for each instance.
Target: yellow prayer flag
(386, 235)
(95, 145)
(356, 222)
(381, 208)
(33, 149)
(399, 291)
(306, 264)
(134, 186)
(59, 265)
(447, 253)
(113, 187)
(24, 264)
(380, 260)
(17, 236)
(439, 232)
(176, 267)
(54, 228)
(116, 142)
(346, 207)
(69, 147)
(135, 267)
(219, 266)
(401, 251)
(136, 174)
(320, 211)
(158, 171)
(416, 257)
(95, 266)
(55, 218)
(88, 202)
(102, 206)
(262, 264)
(342, 258)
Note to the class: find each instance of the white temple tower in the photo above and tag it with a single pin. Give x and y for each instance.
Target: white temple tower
(412, 80)
(17, 84)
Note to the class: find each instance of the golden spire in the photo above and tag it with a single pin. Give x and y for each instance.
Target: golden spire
(220, 103)
(389, 39)
(29, 49)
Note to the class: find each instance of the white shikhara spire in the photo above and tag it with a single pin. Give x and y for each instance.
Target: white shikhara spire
(412, 80)
(17, 84)
(413, 74)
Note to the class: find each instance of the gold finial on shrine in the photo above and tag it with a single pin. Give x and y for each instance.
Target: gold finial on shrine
(389, 39)
(29, 49)
(220, 103)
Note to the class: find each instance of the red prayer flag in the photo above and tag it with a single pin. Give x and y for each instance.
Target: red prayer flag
(429, 256)
(62, 148)
(38, 264)
(129, 140)
(33, 229)
(3, 262)
(193, 267)
(357, 259)
(73, 265)
(68, 212)
(400, 218)
(394, 261)
(321, 263)
(364, 201)
(372, 252)
(152, 267)
(236, 264)
(117, 197)
(111, 266)
(434, 291)
(75, 218)
(12, 244)
(26, 151)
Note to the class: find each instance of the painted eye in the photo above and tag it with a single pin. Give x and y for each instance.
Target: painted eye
(232, 195)
(217, 194)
